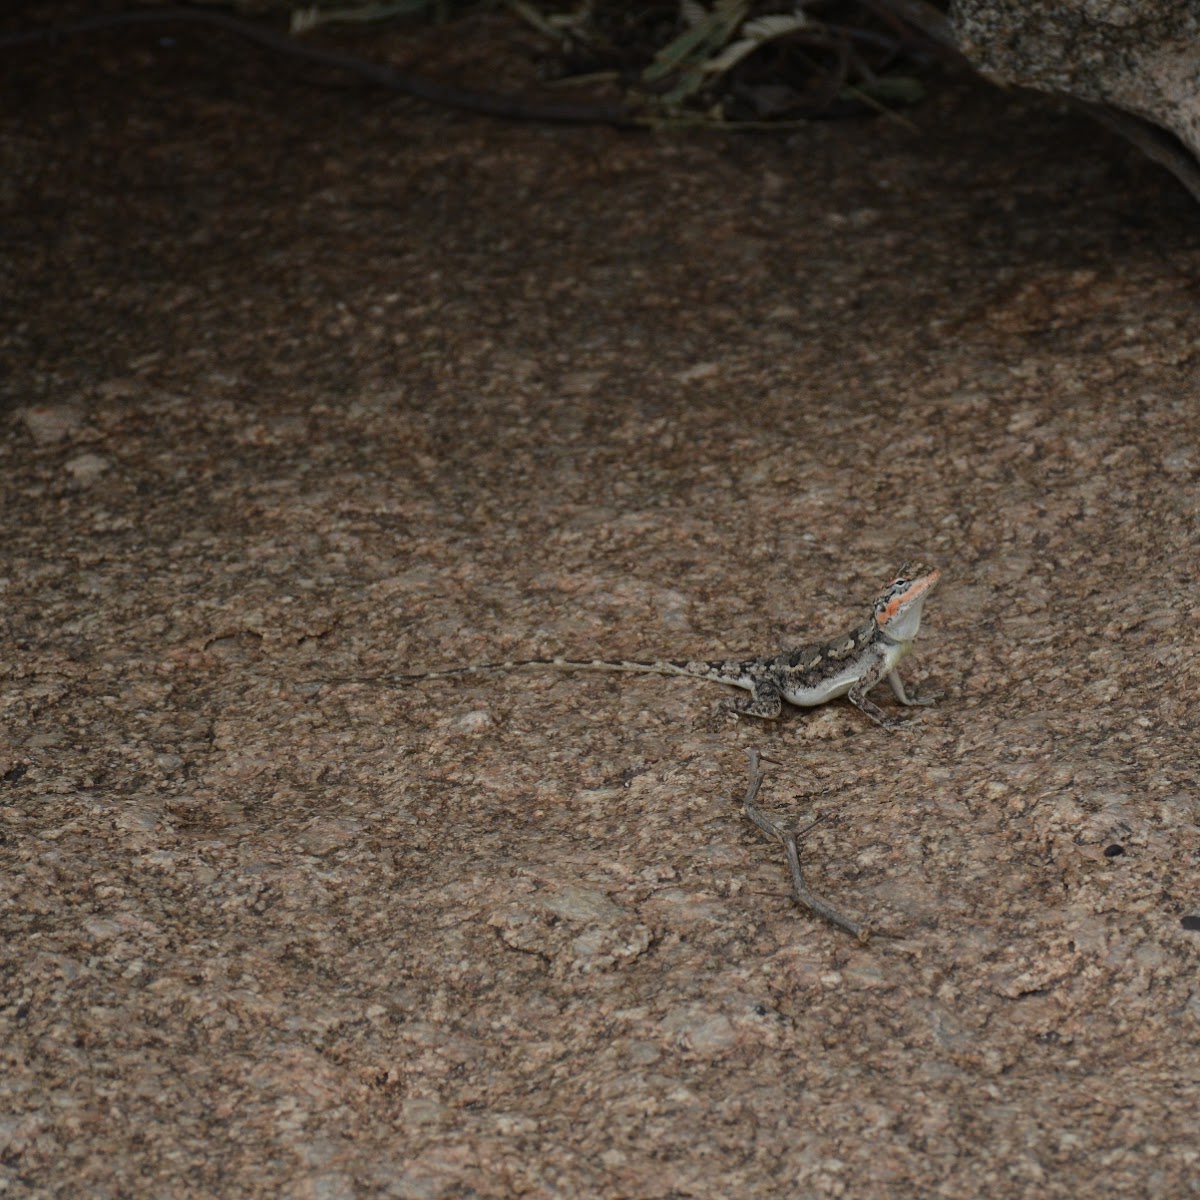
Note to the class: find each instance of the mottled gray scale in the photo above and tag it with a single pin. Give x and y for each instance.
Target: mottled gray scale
(805, 658)
(849, 666)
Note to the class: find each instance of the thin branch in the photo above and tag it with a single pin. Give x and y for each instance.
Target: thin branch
(431, 90)
(773, 829)
(1156, 144)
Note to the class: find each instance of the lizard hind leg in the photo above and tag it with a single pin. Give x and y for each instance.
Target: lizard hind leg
(764, 701)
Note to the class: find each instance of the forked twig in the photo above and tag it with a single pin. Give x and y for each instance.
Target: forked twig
(800, 889)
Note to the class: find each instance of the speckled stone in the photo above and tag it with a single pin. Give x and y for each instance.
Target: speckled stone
(1143, 56)
(380, 388)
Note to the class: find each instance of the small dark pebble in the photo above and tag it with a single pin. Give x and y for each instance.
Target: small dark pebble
(1113, 851)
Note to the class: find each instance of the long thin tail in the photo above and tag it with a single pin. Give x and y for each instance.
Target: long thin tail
(703, 670)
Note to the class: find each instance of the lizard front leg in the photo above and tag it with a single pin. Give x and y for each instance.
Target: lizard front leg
(898, 687)
(857, 695)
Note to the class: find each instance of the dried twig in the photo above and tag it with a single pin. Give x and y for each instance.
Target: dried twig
(1158, 145)
(774, 829)
(391, 78)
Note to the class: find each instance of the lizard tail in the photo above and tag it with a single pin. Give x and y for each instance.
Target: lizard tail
(703, 670)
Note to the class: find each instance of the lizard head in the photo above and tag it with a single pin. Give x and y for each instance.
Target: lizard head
(898, 606)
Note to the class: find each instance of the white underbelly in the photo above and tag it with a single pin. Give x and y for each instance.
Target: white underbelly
(839, 684)
(827, 689)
